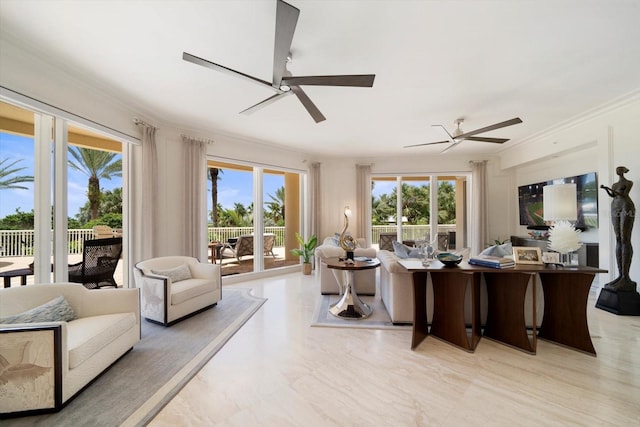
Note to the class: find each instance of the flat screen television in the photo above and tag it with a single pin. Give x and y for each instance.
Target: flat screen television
(531, 202)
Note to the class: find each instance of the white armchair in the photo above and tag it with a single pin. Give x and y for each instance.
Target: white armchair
(175, 287)
(364, 280)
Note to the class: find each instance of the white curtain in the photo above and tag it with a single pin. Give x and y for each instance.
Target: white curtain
(195, 189)
(144, 195)
(314, 200)
(363, 202)
(479, 206)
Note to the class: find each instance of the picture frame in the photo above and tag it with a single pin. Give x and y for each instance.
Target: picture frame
(527, 255)
(551, 257)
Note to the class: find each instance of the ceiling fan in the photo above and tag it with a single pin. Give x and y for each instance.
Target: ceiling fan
(459, 136)
(283, 82)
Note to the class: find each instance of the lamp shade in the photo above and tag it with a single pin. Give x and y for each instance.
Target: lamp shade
(560, 202)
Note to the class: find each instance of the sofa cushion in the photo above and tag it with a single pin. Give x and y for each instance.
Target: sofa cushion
(187, 289)
(56, 310)
(176, 274)
(404, 251)
(88, 335)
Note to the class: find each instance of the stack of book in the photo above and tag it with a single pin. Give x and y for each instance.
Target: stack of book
(492, 261)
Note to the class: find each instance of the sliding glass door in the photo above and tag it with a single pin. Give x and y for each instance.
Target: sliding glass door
(410, 208)
(57, 180)
(235, 190)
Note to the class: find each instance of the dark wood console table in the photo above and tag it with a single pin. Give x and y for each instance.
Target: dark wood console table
(565, 304)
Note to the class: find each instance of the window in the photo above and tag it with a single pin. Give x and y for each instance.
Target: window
(411, 208)
(50, 165)
(236, 189)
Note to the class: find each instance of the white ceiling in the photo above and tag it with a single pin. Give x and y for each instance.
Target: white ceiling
(545, 61)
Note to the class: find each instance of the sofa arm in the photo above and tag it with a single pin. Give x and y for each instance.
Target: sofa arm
(201, 270)
(35, 351)
(154, 296)
(109, 301)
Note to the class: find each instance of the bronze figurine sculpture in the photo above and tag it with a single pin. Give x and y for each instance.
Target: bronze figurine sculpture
(623, 213)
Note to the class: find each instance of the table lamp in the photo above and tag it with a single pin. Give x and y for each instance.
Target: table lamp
(560, 207)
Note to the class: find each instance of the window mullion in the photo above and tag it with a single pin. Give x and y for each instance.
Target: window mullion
(60, 213)
(42, 203)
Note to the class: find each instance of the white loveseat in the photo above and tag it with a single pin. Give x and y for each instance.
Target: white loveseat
(364, 280)
(175, 287)
(58, 358)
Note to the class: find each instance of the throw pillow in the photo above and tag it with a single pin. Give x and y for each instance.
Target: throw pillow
(176, 274)
(404, 251)
(499, 250)
(56, 310)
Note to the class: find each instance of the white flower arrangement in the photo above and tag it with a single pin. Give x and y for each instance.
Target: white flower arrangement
(564, 238)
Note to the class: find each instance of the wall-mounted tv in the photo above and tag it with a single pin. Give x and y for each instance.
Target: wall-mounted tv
(531, 202)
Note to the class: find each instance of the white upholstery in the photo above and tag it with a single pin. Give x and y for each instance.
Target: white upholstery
(108, 325)
(396, 292)
(165, 302)
(364, 280)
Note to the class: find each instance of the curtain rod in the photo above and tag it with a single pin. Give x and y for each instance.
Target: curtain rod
(205, 140)
(137, 121)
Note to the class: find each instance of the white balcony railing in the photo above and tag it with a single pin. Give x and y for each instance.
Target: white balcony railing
(20, 243)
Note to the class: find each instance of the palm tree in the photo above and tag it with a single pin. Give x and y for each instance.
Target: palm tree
(96, 165)
(275, 211)
(7, 182)
(214, 174)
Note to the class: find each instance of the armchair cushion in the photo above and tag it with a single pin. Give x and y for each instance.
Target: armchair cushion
(56, 310)
(176, 274)
(87, 336)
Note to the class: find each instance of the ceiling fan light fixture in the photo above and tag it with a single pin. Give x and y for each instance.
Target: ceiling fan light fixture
(285, 88)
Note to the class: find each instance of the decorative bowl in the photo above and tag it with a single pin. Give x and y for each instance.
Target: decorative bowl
(449, 259)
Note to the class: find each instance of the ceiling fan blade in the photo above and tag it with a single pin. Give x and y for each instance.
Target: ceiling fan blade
(486, 139)
(427, 143)
(355, 80)
(308, 104)
(264, 103)
(492, 127)
(447, 132)
(450, 147)
(208, 64)
(286, 20)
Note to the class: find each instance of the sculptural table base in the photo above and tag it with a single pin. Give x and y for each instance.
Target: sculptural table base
(350, 305)
(624, 303)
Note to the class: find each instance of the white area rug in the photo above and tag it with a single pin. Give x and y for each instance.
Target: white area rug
(379, 319)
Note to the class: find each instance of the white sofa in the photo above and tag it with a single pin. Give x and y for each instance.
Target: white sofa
(396, 292)
(364, 280)
(59, 358)
(167, 296)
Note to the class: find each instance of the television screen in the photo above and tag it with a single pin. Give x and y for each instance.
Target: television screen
(531, 202)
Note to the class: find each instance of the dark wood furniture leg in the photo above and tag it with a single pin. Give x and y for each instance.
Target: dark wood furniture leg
(448, 322)
(565, 310)
(420, 324)
(505, 309)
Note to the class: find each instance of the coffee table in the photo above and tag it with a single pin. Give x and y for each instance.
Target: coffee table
(350, 305)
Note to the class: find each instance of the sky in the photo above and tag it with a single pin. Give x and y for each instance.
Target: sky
(233, 186)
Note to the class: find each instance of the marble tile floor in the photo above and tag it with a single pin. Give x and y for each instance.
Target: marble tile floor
(279, 371)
